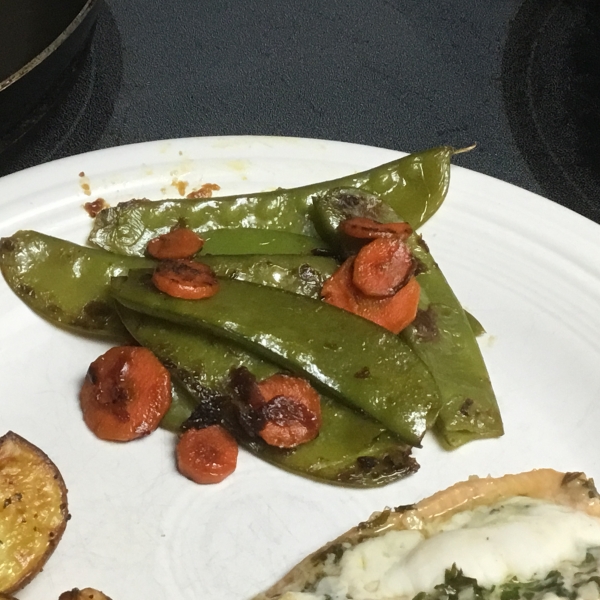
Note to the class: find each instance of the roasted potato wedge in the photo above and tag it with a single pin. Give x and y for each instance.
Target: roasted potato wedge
(573, 490)
(85, 594)
(33, 509)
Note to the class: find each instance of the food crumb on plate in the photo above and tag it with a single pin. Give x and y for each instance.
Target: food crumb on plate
(204, 191)
(94, 207)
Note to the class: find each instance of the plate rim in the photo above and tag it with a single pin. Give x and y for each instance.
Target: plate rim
(13, 180)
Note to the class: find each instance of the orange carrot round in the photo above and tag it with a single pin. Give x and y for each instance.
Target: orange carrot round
(382, 267)
(185, 279)
(339, 290)
(125, 394)
(177, 243)
(291, 409)
(367, 229)
(396, 312)
(207, 455)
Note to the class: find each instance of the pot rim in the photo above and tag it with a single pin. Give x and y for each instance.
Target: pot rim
(46, 52)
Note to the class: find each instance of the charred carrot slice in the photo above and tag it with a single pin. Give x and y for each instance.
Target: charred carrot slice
(394, 313)
(382, 267)
(207, 455)
(178, 243)
(185, 279)
(125, 394)
(363, 228)
(291, 410)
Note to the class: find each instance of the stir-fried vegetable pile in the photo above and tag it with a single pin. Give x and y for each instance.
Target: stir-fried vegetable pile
(248, 300)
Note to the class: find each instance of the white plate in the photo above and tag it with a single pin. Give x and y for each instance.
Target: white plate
(527, 268)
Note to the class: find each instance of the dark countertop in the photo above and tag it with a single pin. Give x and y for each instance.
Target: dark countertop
(519, 78)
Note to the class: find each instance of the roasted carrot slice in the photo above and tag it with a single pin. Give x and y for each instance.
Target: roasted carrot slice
(291, 411)
(84, 594)
(393, 313)
(363, 228)
(339, 289)
(207, 455)
(125, 394)
(178, 243)
(382, 267)
(185, 279)
(396, 312)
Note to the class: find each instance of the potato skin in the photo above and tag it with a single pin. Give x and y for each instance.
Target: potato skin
(33, 502)
(85, 594)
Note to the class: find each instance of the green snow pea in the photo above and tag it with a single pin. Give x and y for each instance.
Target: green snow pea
(415, 185)
(350, 449)
(65, 283)
(335, 205)
(68, 284)
(298, 274)
(442, 334)
(257, 241)
(476, 327)
(182, 405)
(345, 356)
(443, 337)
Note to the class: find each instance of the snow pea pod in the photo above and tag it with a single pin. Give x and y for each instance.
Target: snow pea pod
(415, 185)
(182, 405)
(298, 274)
(350, 449)
(441, 335)
(257, 241)
(476, 327)
(345, 356)
(335, 205)
(65, 283)
(68, 284)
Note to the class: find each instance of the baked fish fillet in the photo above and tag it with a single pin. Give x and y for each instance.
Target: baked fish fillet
(514, 509)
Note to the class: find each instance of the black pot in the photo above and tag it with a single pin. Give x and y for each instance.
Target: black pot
(40, 40)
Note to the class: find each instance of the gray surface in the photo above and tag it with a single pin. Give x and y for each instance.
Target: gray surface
(397, 74)
(403, 75)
